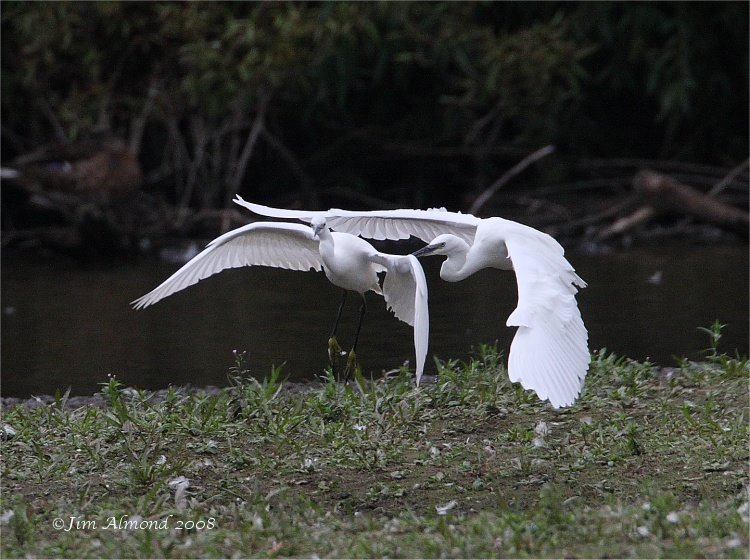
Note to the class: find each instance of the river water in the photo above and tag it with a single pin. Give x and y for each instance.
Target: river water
(66, 325)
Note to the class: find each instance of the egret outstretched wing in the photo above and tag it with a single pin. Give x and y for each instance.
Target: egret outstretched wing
(278, 245)
(549, 353)
(405, 292)
(381, 224)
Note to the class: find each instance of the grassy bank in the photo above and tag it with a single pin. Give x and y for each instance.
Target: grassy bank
(649, 462)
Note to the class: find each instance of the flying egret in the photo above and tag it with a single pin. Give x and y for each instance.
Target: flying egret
(349, 262)
(549, 353)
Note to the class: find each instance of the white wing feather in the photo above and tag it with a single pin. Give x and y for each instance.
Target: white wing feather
(405, 293)
(279, 245)
(421, 316)
(549, 353)
(382, 224)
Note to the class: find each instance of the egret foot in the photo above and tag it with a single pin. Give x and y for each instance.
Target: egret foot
(351, 365)
(334, 350)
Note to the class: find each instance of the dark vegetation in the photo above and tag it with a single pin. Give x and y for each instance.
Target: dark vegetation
(132, 122)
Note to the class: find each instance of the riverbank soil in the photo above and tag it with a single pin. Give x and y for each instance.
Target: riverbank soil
(648, 462)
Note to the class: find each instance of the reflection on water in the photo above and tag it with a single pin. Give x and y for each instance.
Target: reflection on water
(68, 326)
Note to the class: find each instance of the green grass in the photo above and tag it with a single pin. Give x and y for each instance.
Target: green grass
(649, 463)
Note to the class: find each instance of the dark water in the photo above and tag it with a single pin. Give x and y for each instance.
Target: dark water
(63, 325)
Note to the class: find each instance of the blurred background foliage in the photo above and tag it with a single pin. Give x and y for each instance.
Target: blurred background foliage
(412, 104)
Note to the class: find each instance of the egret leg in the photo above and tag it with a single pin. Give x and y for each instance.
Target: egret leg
(362, 310)
(334, 349)
(338, 315)
(351, 365)
(351, 362)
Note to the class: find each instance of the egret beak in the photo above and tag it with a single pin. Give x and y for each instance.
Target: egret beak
(316, 229)
(426, 250)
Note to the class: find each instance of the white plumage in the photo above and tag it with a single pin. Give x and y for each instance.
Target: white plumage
(348, 261)
(549, 353)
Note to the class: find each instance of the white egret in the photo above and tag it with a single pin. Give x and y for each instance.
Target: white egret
(349, 262)
(549, 353)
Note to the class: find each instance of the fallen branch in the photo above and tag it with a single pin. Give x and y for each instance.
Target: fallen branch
(591, 219)
(631, 221)
(661, 194)
(669, 196)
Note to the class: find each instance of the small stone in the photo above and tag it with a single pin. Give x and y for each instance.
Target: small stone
(8, 432)
(444, 509)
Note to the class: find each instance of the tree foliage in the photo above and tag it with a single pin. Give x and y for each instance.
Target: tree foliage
(371, 97)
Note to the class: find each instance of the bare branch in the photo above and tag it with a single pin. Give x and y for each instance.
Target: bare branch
(663, 165)
(295, 166)
(479, 124)
(361, 198)
(179, 152)
(54, 121)
(482, 199)
(200, 139)
(139, 122)
(247, 150)
(728, 178)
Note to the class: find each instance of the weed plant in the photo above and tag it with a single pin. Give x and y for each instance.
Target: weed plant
(649, 462)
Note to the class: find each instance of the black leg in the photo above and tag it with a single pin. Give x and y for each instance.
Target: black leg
(362, 311)
(338, 315)
(351, 362)
(334, 350)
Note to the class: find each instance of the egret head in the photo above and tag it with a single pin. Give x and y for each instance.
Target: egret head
(445, 244)
(318, 224)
